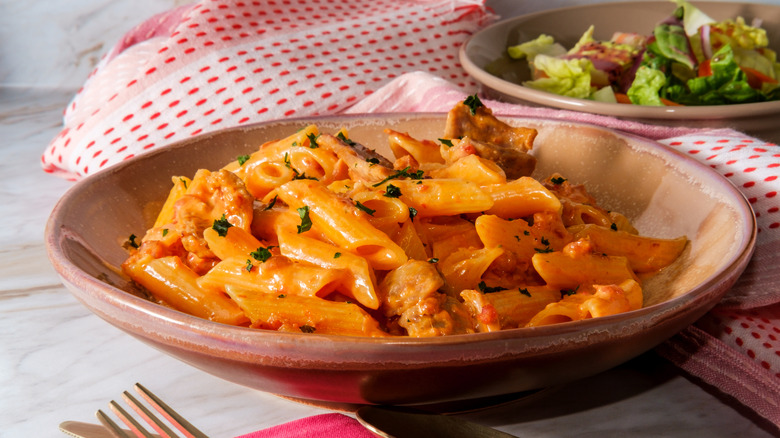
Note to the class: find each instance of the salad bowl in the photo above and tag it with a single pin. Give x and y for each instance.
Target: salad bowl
(486, 49)
(674, 195)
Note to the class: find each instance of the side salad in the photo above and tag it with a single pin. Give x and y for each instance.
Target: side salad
(690, 59)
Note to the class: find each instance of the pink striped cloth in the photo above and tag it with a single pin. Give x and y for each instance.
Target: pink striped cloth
(219, 63)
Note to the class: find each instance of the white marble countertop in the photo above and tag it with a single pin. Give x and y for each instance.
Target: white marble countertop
(60, 362)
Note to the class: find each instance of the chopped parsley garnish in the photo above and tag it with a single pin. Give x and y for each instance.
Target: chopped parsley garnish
(433, 260)
(525, 292)
(546, 244)
(164, 232)
(567, 292)
(473, 103)
(446, 142)
(131, 241)
(613, 227)
(184, 182)
(261, 254)
(372, 161)
(307, 328)
(303, 176)
(403, 173)
(249, 265)
(412, 213)
(392, 191)
(296, 174)
(242, 159)
(312, 141)
(305, 225)
(558, 180)
(337, 255)
(271, 204)
(344, 138)
(364, 208)
(221, 226)
(485, 289)
(281, 296)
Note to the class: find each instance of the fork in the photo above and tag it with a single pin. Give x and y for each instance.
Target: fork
(136, 429)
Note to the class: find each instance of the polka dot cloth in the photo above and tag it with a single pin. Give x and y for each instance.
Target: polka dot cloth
(736, 347)
(756, 332)
(221, 63)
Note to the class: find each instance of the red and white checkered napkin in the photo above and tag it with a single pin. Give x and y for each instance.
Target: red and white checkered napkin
(736, 347)
(221, 63)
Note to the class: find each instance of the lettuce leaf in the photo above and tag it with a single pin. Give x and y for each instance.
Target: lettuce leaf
(543, 44)
(727, 84)
(761, 62)
(646, 88)
(566, 77)
(692, 17)
(673, 44)
(585, 39)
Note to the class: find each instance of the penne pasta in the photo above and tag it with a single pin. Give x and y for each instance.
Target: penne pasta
(276, 275)
(520, 198)
(644, 254)
(173, 283)
(444, 236)
(604, 301)
(292, 313)
(571, 268)
(179, 189)
(463, 269)
(357, 280)
(317, 234)
(472, 168)
(409, 240)
(508, 308)
(236, 242)
(383, 210)
(423, 151)
(442, 197)
(343, 223)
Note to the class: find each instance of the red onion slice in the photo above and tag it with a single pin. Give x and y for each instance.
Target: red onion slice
(706, 46)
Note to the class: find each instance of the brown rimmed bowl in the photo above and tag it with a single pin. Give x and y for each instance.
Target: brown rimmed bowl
(665, 193)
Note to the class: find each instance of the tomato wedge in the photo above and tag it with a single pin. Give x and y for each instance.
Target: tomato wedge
(705, 69)
(668, 102)
(622, 98)
(755, 78)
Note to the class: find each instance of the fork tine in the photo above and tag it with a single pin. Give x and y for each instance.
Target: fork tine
(109, 424)
(128, 419)
(148, 416)
(177, 420)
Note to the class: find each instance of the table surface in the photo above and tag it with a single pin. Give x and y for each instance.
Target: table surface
(59, 362)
